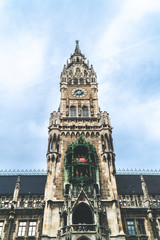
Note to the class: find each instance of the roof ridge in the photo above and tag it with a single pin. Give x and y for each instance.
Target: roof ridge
(11, 172)
(138, 171)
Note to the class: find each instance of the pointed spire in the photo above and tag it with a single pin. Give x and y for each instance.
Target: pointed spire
(144, 187)
(145, 192)
(92, 69)
(77, 49)
(18, 181)
(16, 190)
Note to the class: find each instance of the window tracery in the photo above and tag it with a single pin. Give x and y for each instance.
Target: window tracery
(73, 111)
(85, 111)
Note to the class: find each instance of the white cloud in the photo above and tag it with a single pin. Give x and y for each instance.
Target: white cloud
(135, 10)
(122, 27)
(2, 3)
(147, 117)
(134, 115)
(38, 130)
(122, 47)
(21, 62)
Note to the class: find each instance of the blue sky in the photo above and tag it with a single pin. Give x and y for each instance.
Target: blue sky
(121, 38)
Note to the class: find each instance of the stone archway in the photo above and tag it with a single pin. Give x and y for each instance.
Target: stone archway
(82, 214)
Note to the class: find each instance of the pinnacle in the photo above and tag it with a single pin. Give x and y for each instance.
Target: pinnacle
(77, 49)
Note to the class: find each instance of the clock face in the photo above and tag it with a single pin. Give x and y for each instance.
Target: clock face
(79, 92)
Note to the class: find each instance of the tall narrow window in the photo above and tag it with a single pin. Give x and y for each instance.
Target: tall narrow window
(21, 228)
(85, 73)
(131, 227)
(32, 229)
(73, 111)
(140, 225)
(85, 111)
(75, 81)
(1, 227)
(65, 219)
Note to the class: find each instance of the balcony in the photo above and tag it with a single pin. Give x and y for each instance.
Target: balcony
(84, 228)
(76, 228)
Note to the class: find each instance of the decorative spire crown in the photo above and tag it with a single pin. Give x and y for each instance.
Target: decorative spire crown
(77, 70)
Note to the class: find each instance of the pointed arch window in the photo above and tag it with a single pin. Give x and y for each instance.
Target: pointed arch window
(69, 81)
(85, 111)
(73, 111)
(85, 73)
(75, 81)
(82, 214)
(81, 81)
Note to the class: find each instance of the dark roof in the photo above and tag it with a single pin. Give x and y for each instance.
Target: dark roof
(131, 184)
(7, 184)
(30, 184)
(35, 184)
(153, 184)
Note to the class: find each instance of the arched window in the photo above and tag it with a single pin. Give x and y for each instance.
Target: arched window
(85, 73)
(82, 214)
(81, 81)
(73, 111)
(75, 81)
(85, 111)
(69, 81)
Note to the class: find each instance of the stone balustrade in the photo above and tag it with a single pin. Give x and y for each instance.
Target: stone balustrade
(30, 202)
(77, 228)
(136, 201)
(83, 228)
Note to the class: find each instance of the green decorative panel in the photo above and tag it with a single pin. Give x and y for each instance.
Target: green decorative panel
(81, 163)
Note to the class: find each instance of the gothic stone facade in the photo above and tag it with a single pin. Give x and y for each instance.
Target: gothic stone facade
(81, 196)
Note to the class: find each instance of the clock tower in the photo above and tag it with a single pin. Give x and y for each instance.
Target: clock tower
(79, 88)
(81, 199)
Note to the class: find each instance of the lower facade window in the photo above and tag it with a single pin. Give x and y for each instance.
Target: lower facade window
(27, 228)
(140, 226)
(131, 227)
(22, 229)
(32, 229)
(135, 227)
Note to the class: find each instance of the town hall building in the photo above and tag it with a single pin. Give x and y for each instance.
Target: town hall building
(80, 196)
